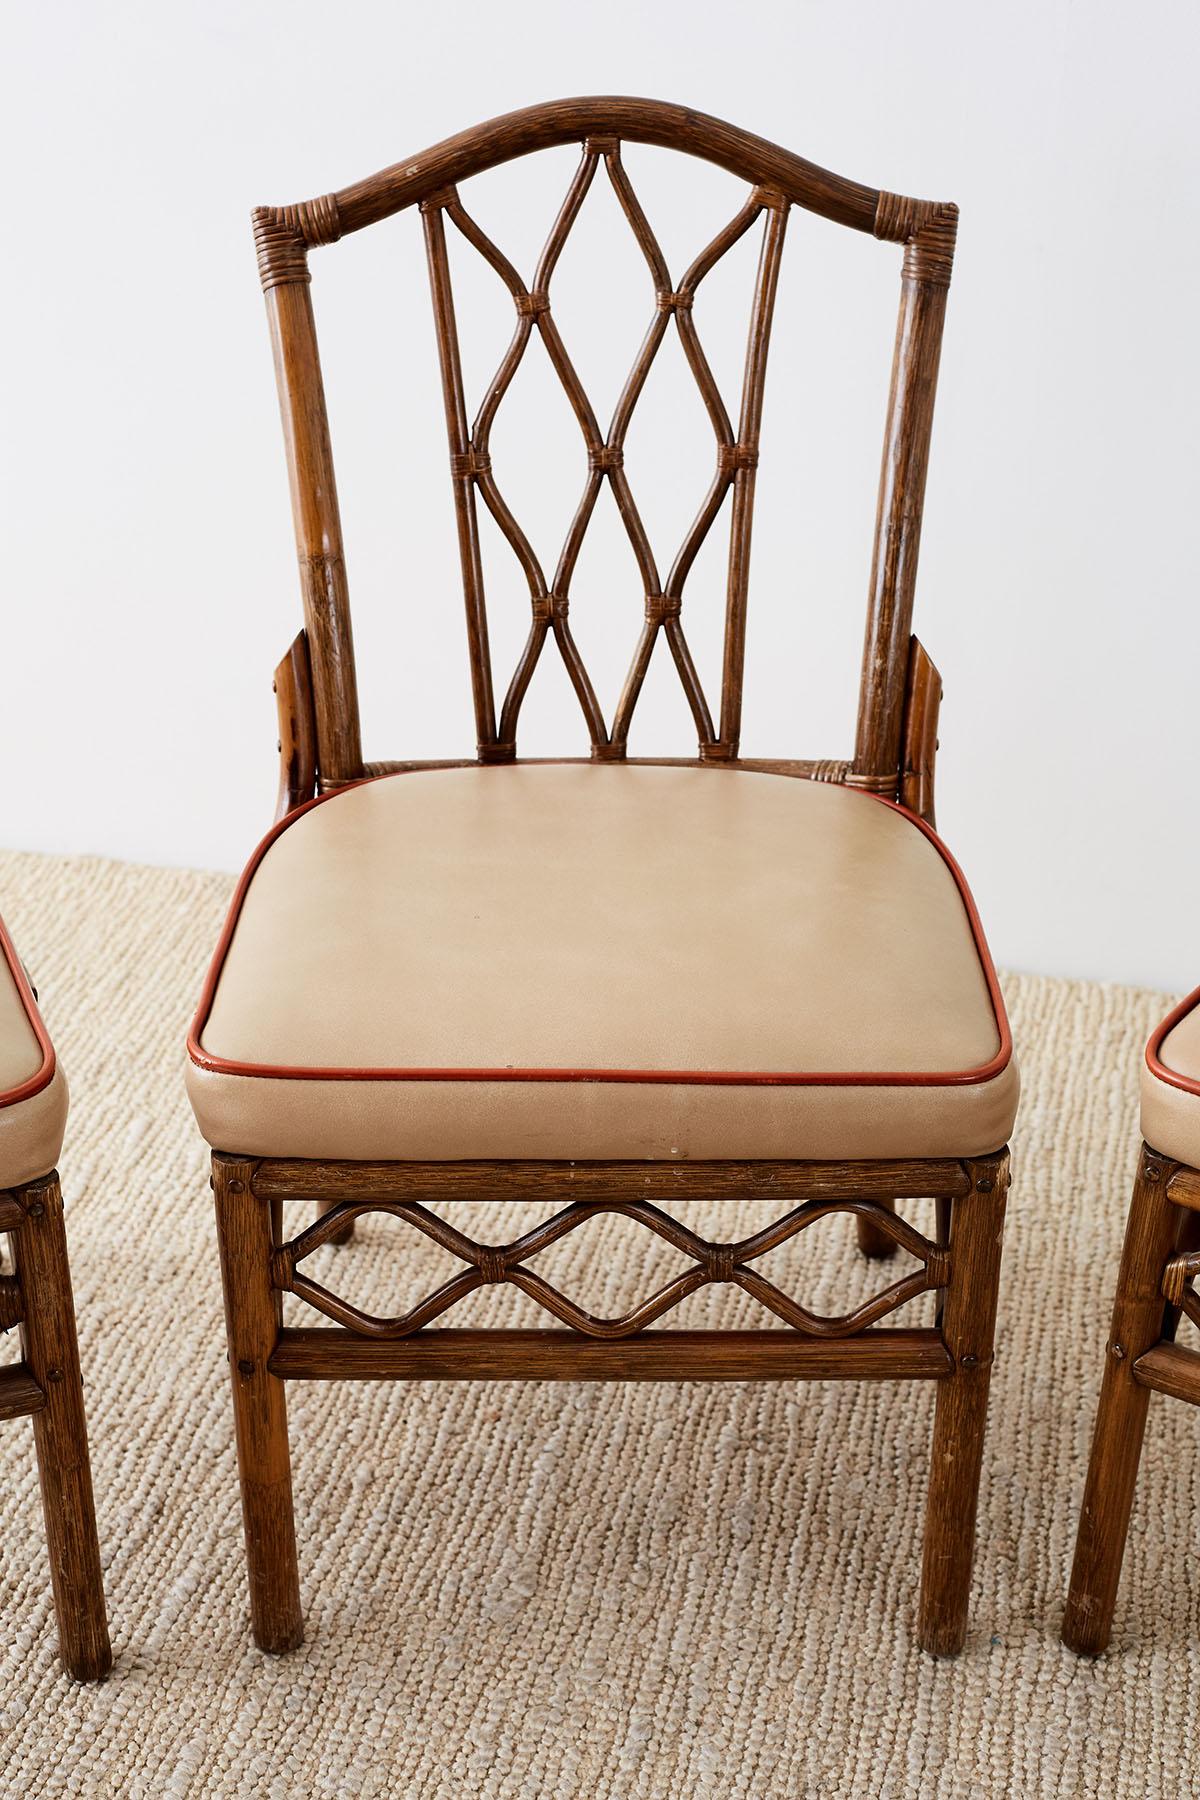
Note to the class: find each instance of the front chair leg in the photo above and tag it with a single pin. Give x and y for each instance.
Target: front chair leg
(871, 1240)
(252, 1320)
(1137, 1324)
(968, 1327)
(51, 1350)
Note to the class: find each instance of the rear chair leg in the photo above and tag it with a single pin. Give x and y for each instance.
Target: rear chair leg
(345, 1233)
(968, 1327)
(871, 1240)
(252, 1319)
(51, 1350)
(1137, 1324)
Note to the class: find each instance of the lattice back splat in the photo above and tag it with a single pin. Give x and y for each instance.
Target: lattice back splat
(736, 457)
(893, 748)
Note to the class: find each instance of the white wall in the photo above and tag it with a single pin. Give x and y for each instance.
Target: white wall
(149, 582)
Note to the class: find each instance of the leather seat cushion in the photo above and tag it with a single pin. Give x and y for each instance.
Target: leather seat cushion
(1171, 1084)
(33, 1091)
(598, 961)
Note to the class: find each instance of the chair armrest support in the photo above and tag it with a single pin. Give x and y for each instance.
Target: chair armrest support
(922, 699)
(297, 728)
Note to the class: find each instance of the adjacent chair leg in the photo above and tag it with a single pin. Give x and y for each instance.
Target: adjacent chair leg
(1137, 1324)
(873, 1242)
(968, 1327)
(252, 1320)
(51, 1350)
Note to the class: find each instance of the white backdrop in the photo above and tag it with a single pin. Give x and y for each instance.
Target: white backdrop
(149, 580)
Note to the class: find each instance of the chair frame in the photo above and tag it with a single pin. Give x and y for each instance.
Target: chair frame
(1155, 1289)
(47, 1387)
(320, 751)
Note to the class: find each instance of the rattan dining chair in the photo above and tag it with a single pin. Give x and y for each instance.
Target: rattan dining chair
(612, 984)
(45, 1383)
(1155, 1291)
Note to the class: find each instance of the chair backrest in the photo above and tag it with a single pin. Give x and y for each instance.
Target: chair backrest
(778, 180)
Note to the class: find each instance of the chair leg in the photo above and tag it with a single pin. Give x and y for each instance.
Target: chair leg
(1137, 1324)
(345, 1234)
(252, 1319)
(51, 1350)
(871, 1241)
(968, 1327)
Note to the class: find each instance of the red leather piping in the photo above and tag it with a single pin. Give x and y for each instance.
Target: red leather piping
(45, 1074)
(1154, 1062)
(219, 1065)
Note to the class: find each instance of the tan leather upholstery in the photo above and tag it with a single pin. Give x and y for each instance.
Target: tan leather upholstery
(33, 1092)
(596, 961)
(1171, 1085)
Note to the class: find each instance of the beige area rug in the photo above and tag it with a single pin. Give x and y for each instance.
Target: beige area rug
(560, 1590)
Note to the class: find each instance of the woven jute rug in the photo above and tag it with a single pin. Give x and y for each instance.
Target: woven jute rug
(559, 1590)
